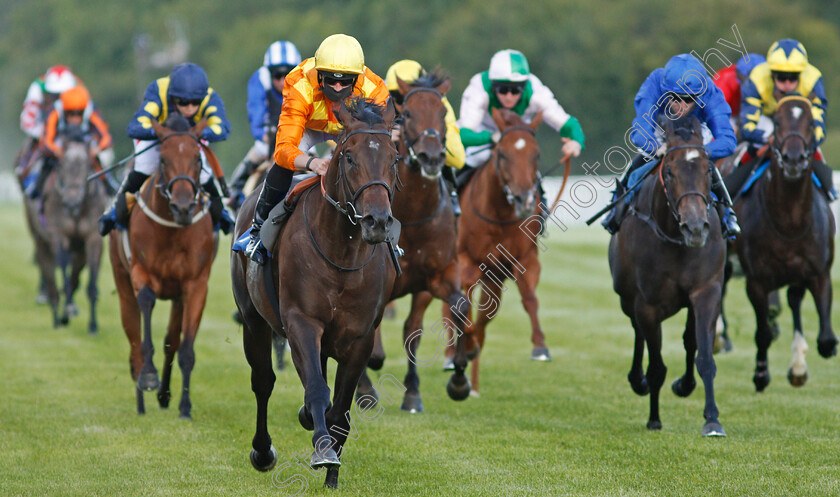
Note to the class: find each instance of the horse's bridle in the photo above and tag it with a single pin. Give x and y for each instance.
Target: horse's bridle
(430, 132)
(509, 196)
(166, 190)
(674, 205)
(778, 145)
(348, 207)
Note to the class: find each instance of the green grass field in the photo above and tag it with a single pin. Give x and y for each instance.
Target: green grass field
(569, 427)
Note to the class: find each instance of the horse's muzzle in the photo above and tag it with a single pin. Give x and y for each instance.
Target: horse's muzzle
(375, 227)
(431, 166)
(695, 234)
(182, 214)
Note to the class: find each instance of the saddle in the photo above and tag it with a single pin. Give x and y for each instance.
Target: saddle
(280, 213)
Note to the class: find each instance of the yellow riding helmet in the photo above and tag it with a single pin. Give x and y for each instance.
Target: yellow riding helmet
(787, 56)
(340, 53)
(406, 70)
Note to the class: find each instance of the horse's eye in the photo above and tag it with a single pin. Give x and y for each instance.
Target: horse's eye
(406, 115)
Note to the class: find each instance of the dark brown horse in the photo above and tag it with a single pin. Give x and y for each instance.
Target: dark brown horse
(69, 238)
(787, 239)
(325, 286)
(492, 247)
(429, 235)
(166, 253)
(665, 258)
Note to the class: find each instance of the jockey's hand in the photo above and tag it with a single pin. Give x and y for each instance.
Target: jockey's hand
(660, 152)
(319, 166)
(572, 148)
(94, 150)
(59, 154)
(396, 134)
(496, 137)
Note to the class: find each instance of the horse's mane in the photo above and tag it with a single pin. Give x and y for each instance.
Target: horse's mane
(431, 79)
(177, 122)
(510, 118)
(366, 110)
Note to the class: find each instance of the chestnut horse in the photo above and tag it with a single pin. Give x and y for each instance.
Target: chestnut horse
(71, 207)
(429, 235)
(325, 285)
(787, 239)
(166, 253)
(666, 257)
(492, 247)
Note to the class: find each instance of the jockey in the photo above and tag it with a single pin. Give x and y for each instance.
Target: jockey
(729, 80)
(786, 72)
(40, 97)
(408, 71)
(265, 98)
(679, 89)
(74, 110)
(185, 91)
(509, 84)
(312, 94)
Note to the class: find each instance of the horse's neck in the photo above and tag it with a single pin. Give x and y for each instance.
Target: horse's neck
(418, 196)
(660, 209)
(153, 198)
(490, 194)
(788, 202)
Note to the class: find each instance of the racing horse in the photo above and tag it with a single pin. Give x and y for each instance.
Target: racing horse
(787, 238)
(326, 292)
(429, 235)
(492, 245)
(166, 253)
(67, 229)
(666, 257)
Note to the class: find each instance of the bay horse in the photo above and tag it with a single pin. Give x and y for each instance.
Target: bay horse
(166, 253)
(429, 235)
(67, 229)
(492, 247)
(787, 239)
(325, 285)
(665, 258)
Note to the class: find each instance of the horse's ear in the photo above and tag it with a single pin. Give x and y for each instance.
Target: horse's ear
(403, 86)
(390, 112)
(343, 115)
(498, 118)
(666, 124)
(198, 128)
(444, 87)
(535, 123)
(161, 131)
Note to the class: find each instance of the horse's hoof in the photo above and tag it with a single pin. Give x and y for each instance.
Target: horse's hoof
(713, 429)
(305, 419)
(727, 345)
(640, 386)
(449, 364)
(148, 381)
(326, 459)
(237, 318)
(376, 363)
(458, 387)
(331, 481)
(185, 416)
(683, 388)
(654, 425)
(264, 463)
(412, 403)
(65, 320)
(761, 380)
(540, 354)
(163, 399)
(797, 380)
(827, 348)
(72, 310)
(93, 330)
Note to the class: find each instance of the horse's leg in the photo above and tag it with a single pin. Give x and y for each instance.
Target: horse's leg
(798, 370)
(366, 395)
(47, 265)
(527, 284)
(446, 286)
(470, 274)
(412, 402)
(170, 346)
(377, 357)
(195, 297)
(256, 339)
(636, 376)
(491, 301)
(646, 319)
(77, 263)
(63, 259)
(722, 340)
(305, 334)
(93, 251)
(774, 309)
(706, 306)
(130, 316)
(821, 290)
(148, 379)
(763, 336)
(279, 343)
(685, 384)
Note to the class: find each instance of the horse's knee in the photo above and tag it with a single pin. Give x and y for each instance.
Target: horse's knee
(656, 376)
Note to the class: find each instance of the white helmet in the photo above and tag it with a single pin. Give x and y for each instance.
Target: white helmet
(281, 53)
(59, 79)
(509, 65)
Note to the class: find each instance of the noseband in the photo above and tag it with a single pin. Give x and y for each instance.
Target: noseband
(348, 207)
(779, 145)
(430, 132)
(674, 205)
(166, 190)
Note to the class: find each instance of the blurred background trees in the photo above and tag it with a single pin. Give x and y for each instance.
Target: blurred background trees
(593, 54)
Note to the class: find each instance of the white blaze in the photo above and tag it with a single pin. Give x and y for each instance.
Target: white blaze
(692, 154)
(796, 111)
(373, 145)
(520, 144)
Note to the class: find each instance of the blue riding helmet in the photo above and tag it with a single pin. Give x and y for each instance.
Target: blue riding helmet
(282, 53)
(744, 68)
(684, 75)
(188, 81)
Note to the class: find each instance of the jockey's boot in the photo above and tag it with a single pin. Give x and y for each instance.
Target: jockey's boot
(221, 217)
(542, 204)
(449, 178)
(35, 190)
(825, 175)
(116, 215)
(462, 177)
(237, 181)
(613, 220)
(275, 187)
(728, 219)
